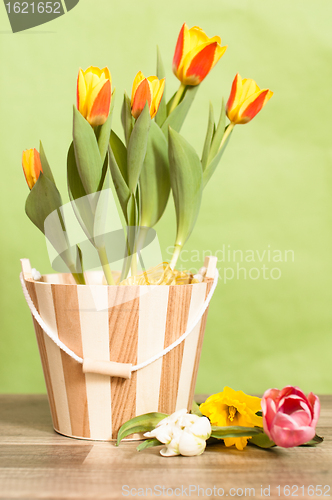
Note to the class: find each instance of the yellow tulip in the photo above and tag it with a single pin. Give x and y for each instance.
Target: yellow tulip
(94, 94)
(149, 89)
(195, 55)
(246, 100)
(31, 166)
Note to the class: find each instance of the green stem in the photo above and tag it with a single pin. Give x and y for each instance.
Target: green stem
(226, 134)
(175, 256)
(177, 97)
(106, 267)
(133, 266)
(79, 278)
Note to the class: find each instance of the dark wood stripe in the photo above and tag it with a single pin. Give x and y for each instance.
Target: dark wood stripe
(69, 330)
(199, 348)
(176, 322)
(43, 355)
(123, 335)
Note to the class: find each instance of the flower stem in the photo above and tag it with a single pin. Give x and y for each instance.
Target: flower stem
(226, 134)
(106, 267)
(177, 97)
(175, 256)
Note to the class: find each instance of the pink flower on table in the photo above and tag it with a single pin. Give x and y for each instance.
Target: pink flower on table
(289, 417)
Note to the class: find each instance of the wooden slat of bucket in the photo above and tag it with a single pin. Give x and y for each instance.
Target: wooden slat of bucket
(177, 318)
(151, 338)
(46, 309)
(190, 348)
(123, 339)
(209, 283)
(69, 330)
(43, 355)
(93, 306)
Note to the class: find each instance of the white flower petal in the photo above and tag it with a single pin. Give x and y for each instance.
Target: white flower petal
(201, 428)
(190, 445)
(188, 420)
(166, 452)
(172, 418)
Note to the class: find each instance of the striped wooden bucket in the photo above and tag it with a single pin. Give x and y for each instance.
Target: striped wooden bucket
(131, 327)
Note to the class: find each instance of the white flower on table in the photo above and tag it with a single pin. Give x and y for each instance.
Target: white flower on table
(183, 433)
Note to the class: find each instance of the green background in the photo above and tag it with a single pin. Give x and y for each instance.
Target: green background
(272, 190)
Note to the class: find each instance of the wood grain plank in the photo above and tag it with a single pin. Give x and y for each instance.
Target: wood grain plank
(209, 283)
(68, 323)
(43, 354)
(123, 339)
(177, 318)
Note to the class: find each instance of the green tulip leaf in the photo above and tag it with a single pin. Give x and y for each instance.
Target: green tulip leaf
(119, 182)
(127, 118)
(219, 134)
(105, 132)
(43, 199)
(148, 443)
(208, 137)
(262, 441)
(45, 165)
(234, 431)
(137, 147)
(154, 180)
(186, 182)
(314, 441)
(162, 111)
(210, 169)
(142, 423)
(82, 208)
(176, 118)
(88, 160)
(120, 154)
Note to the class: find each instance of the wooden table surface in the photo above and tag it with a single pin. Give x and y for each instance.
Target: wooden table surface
(35, 462)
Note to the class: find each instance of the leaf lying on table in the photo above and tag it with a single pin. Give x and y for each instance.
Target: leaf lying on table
(195, 409)
(262, 441)
(148, 443)
(313, 442)
(233, 431)
(142, 423)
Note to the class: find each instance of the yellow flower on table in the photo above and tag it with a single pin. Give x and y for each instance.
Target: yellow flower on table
(234, 408)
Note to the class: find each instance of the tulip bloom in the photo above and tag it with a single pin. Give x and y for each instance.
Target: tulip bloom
(31, 166)
(289, 417)
(149, 89)
(245, 100)
(94, 94)
(195, 55)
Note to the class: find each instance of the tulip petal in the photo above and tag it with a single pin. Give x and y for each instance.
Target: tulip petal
(199, 65)
(101, 106)
(31, 166)
(190, 445)
(253, 105)
(315, 406)
(81, 93)
(137, 80)
(142, 95)
(288, 438)
(182, 47)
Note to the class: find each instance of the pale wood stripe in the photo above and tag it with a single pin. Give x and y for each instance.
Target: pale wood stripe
(43, 355)
(190, 347)
(123, 337)
(93, 306)
(209, 283)
(69, 330)
(151, 335)
(176, 322)
(46, 309)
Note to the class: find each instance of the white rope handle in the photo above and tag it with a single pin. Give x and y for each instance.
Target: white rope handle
(134, 368)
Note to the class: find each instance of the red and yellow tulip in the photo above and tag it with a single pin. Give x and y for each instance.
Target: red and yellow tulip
(149, 89)
(31, 166)
(246, 100)
(195, 55)
(94, 94)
